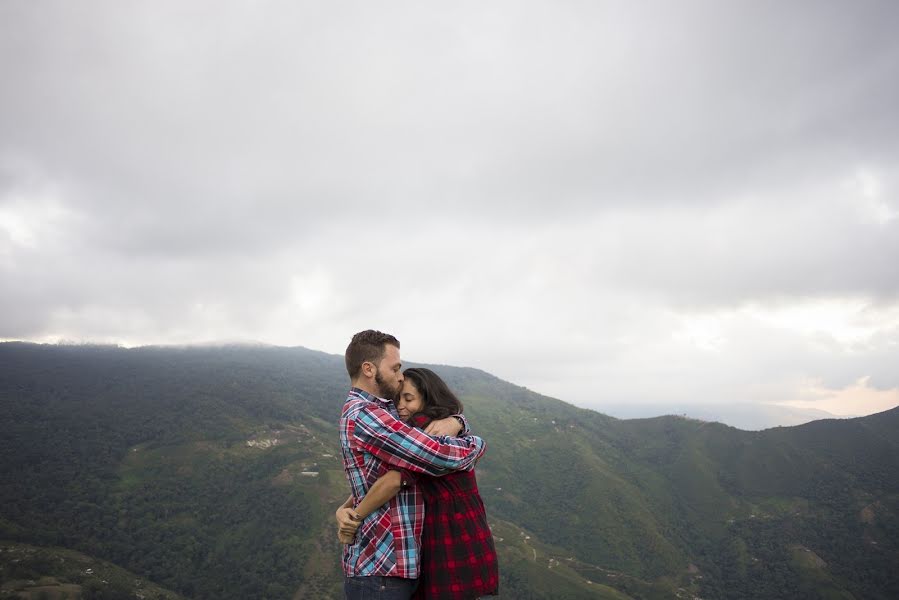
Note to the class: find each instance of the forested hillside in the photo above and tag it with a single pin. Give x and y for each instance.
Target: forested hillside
(214, 472)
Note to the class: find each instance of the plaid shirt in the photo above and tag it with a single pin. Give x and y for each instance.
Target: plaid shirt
(458, 556)
(373, 440)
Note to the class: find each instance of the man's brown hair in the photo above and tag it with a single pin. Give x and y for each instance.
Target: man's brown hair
(367, 346)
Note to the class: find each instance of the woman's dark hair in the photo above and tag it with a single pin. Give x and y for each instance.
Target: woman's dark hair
(438, 401)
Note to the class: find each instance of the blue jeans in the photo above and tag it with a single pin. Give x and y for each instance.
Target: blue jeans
(378, 588)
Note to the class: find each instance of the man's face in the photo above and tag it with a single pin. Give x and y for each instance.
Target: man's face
(389, 375)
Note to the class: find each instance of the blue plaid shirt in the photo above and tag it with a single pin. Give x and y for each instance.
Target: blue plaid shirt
(373, 440)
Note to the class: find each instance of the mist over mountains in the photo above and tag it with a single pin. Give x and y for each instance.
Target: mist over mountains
(213, 473)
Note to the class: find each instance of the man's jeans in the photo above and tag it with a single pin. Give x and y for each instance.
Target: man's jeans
(378, 588)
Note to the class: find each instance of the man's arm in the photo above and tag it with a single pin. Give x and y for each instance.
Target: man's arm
(402, 446)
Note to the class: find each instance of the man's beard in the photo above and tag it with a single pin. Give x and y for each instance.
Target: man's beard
(384, 389)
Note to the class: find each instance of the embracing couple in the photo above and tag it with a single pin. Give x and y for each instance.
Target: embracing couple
(414, 525)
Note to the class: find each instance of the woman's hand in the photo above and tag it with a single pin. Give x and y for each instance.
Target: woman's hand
(347, 524)
(450, 426)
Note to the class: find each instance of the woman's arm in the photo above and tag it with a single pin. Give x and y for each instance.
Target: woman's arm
(386, 487)
(342, 515)
(348, 519)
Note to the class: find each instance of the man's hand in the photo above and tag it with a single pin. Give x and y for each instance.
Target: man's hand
(346, 525)
(450, 426)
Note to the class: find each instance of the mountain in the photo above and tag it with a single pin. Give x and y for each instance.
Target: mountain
(748, 416)
(31, 572)
(214, 472)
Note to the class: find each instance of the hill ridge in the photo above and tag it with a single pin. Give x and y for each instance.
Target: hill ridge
(148, 450)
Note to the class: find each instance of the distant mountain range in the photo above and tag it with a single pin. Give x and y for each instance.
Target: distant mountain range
(746, 416)
(213, 473)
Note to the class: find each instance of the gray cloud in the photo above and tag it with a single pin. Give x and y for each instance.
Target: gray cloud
(573, 185)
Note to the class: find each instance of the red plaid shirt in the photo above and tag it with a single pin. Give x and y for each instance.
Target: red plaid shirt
(458, 557)
(374, 440)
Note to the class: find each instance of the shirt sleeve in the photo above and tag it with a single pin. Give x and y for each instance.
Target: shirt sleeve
(408, 478)
(465, 428)
(404, 447)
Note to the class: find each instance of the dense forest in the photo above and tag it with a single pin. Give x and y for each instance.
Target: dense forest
(213, 473)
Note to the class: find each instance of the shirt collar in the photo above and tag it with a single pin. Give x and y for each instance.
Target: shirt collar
(367, 396)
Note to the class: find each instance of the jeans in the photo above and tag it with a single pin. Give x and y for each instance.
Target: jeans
(378, 588)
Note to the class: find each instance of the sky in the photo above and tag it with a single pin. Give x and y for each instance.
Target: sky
(606, 202)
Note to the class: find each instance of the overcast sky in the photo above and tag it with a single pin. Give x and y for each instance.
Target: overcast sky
(606, 202)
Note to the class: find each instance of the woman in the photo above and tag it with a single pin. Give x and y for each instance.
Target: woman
(458, 559)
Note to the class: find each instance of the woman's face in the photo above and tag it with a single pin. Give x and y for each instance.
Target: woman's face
(410, 401)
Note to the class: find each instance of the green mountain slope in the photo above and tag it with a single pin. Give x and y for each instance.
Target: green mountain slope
(214, 472)
(33, 573)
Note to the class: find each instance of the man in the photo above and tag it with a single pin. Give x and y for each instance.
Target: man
(384, 560)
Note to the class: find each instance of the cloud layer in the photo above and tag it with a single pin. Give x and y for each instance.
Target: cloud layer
(601, 201)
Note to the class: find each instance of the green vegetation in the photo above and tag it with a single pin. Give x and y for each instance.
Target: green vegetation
(34, 573)
(214, 472)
